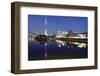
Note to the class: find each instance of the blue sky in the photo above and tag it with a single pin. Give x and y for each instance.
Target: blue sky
(36, 23)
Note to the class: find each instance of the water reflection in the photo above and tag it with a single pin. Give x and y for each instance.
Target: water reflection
(71, 44)
(56, 49)
(45, 53)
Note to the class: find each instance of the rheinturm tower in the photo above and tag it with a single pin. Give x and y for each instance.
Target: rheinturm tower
(45, 32)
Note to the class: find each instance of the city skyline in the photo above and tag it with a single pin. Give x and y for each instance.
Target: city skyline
(36, 24)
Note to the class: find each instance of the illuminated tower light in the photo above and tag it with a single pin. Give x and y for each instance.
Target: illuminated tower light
(46, 26)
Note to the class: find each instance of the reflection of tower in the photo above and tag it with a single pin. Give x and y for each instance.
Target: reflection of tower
(45, 54)
(46, 26)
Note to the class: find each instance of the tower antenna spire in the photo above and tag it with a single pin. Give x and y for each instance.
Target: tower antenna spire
(45, 21)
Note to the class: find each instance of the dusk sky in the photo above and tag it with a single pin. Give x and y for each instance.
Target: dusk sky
(36, 23)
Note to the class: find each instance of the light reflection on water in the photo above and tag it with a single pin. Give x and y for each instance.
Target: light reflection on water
(71, 44)
(56, 49)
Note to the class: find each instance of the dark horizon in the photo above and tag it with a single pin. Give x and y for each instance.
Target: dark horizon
(36, 24)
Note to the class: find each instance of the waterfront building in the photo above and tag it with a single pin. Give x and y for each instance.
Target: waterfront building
(31, 36)
(61, 34)
(78, 35)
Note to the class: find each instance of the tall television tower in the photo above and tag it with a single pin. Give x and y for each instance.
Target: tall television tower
(45, 21)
